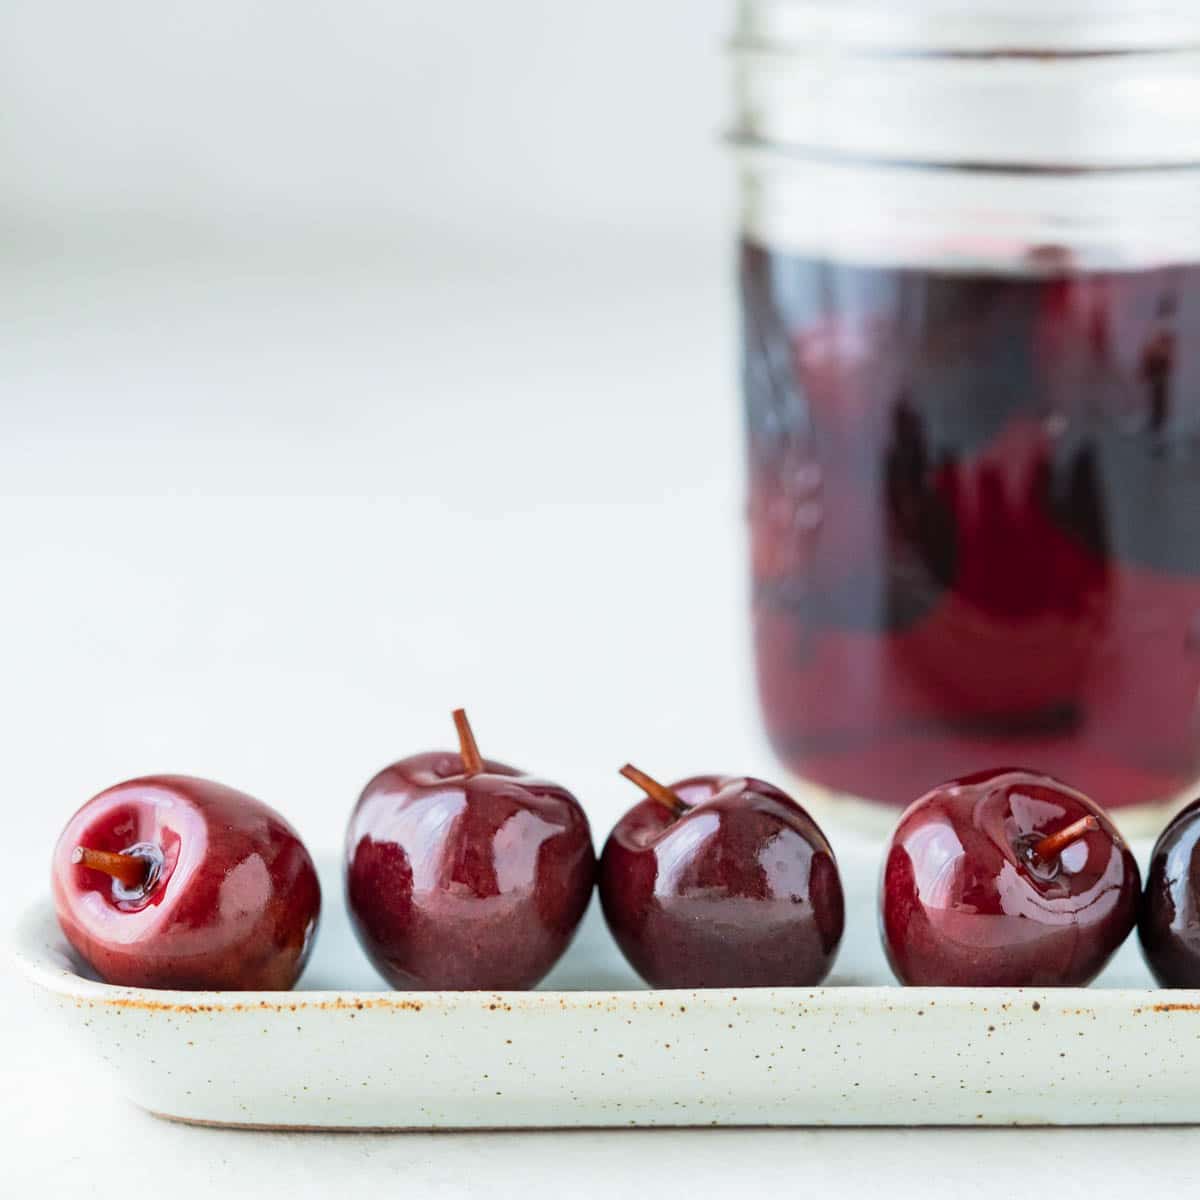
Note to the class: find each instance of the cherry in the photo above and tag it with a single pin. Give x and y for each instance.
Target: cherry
(463, 873)
(1031, 599)
(1169, 924)
(721, 882)
(174, 882)
(1005, 879)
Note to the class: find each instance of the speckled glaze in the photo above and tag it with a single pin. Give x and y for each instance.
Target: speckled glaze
(466, 882)
(963, 905)
(234, 906)
(598, 1049)
(1169, 923)
(842, 1055)
(741, 890)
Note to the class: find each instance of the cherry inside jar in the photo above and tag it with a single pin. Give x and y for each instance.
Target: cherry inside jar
(975, 519)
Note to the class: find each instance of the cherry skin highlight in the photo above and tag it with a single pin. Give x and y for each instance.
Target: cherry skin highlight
(175, 882)
(463, 873)
(721, 882)
(1169, 924)
(1005, 879)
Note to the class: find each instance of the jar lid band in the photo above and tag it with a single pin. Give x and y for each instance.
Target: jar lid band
(982, 27)
(966, 96)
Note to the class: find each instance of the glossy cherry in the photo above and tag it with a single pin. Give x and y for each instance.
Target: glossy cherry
(462, 873)
(175, 882)
(721, 882)
(1169, 924)
(1005, 879)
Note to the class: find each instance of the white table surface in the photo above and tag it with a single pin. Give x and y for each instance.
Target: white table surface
(270, 522)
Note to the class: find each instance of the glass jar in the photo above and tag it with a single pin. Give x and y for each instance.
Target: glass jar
(970, 283)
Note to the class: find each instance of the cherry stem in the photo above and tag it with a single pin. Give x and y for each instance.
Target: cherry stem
(1056, 843)
(655, 790)
(131, 869)
(472, 759)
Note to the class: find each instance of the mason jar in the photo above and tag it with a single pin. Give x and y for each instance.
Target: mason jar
(970, 291)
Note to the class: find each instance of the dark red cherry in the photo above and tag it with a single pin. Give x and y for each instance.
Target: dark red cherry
(721, 882)
(1169, 925)
(1005, 879)
(1018, 634)
(462, 873)
(174, 882)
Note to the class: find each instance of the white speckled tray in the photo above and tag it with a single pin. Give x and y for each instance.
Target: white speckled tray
(858, 1052)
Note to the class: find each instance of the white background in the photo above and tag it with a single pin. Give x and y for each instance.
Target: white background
(358, 361)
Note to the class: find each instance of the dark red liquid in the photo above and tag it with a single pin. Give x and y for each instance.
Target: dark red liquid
(975, 523)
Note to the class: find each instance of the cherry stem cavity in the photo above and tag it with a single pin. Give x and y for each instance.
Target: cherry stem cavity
(472, 759)
(655, 790)
(1055, 843)
(131, 869)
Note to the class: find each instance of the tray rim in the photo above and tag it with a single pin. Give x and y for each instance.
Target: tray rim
(28, 951)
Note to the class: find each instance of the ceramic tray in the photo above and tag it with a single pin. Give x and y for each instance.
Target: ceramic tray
(593, 1048)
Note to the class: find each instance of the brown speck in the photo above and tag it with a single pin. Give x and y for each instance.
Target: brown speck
(1037, 1007)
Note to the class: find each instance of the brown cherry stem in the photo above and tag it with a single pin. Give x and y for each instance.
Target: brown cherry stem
(1056, 843)
(130, 869)
(472, 759)
(654, 789)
